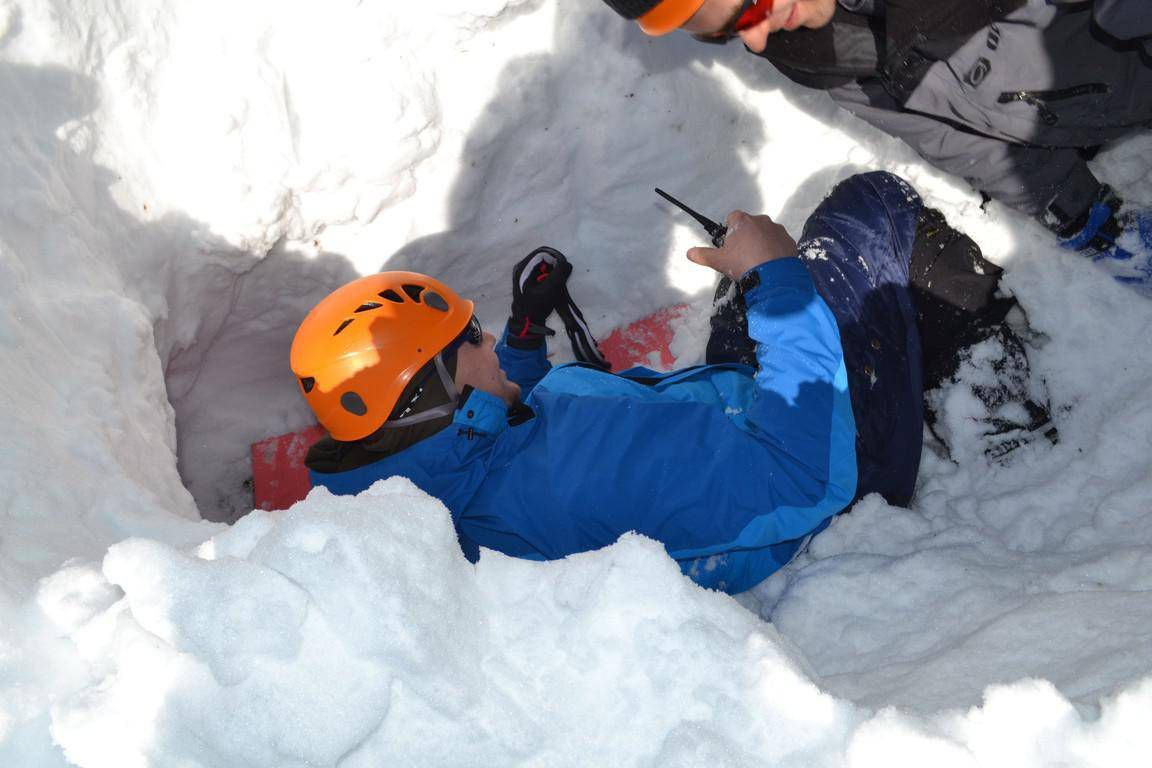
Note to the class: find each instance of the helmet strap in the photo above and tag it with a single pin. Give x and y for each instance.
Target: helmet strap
(436, 412)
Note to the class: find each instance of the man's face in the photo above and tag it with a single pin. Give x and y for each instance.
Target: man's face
(477, 366)
(717, 15)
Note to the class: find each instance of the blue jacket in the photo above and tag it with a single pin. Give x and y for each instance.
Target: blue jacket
(728, 467)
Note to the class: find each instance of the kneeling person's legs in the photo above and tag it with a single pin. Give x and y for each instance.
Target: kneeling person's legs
(856, 246)
(963, 333)
(956, 291)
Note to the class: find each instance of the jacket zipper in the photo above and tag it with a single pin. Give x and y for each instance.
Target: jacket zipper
(1040, 99)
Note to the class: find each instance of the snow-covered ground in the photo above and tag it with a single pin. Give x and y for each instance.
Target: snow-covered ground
(180, 182)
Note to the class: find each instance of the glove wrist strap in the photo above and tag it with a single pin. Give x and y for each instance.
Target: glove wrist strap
(524, 334)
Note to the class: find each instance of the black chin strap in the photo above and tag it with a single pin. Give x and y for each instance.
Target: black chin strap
(436, 412)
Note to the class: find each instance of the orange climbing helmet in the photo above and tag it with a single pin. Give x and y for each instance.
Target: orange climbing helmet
(358, 349)
(666, 16)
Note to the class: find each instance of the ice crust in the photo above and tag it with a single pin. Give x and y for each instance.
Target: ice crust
(180, 182)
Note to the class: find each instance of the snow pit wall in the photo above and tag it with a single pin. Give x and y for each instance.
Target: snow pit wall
(230, 185)
(293, 190)
(175, 195)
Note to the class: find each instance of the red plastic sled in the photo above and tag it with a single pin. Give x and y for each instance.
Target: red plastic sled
(647, 338)
(279, 478)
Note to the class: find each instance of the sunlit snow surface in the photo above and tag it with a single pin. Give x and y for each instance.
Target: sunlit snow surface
(179, 182)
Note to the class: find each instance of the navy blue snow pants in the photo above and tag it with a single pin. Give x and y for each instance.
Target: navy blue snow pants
(909, 292)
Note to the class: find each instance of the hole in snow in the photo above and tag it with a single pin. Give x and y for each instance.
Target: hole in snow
(229, 331)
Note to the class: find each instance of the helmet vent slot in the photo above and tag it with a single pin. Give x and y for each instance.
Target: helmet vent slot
(343, 325)
(391, 295)
(368, 305)
(413, 291)
(307, 383)
(435, 300)
(353, 403)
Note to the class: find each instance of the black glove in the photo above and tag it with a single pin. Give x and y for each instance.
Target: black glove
(538, 288)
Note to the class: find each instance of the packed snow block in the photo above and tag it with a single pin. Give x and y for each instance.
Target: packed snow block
(279, 477)
(290, 640)
(645, 342)
(351, 631)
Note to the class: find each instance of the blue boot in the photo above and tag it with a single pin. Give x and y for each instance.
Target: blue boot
(1119, 239)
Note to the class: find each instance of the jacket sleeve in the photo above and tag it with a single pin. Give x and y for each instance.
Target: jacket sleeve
(801, 411)
(523, 366)
(1121, 19)
(802, 380)
(1033, 180)
(1125, 20)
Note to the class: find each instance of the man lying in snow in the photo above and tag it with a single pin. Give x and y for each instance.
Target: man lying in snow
(729, 465)
(1011, 95)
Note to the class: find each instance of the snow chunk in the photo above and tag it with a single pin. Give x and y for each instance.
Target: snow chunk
(225, 612)
(354, 630)
(73, 595)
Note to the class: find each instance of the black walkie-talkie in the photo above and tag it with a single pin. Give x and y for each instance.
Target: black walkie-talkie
(716, 231)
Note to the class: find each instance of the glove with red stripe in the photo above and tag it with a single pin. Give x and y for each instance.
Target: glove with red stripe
(538, 289)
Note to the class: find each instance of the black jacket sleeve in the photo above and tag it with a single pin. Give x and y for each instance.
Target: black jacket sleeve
(1122, 19)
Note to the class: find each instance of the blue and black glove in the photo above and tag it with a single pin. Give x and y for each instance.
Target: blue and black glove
(1118, 238)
